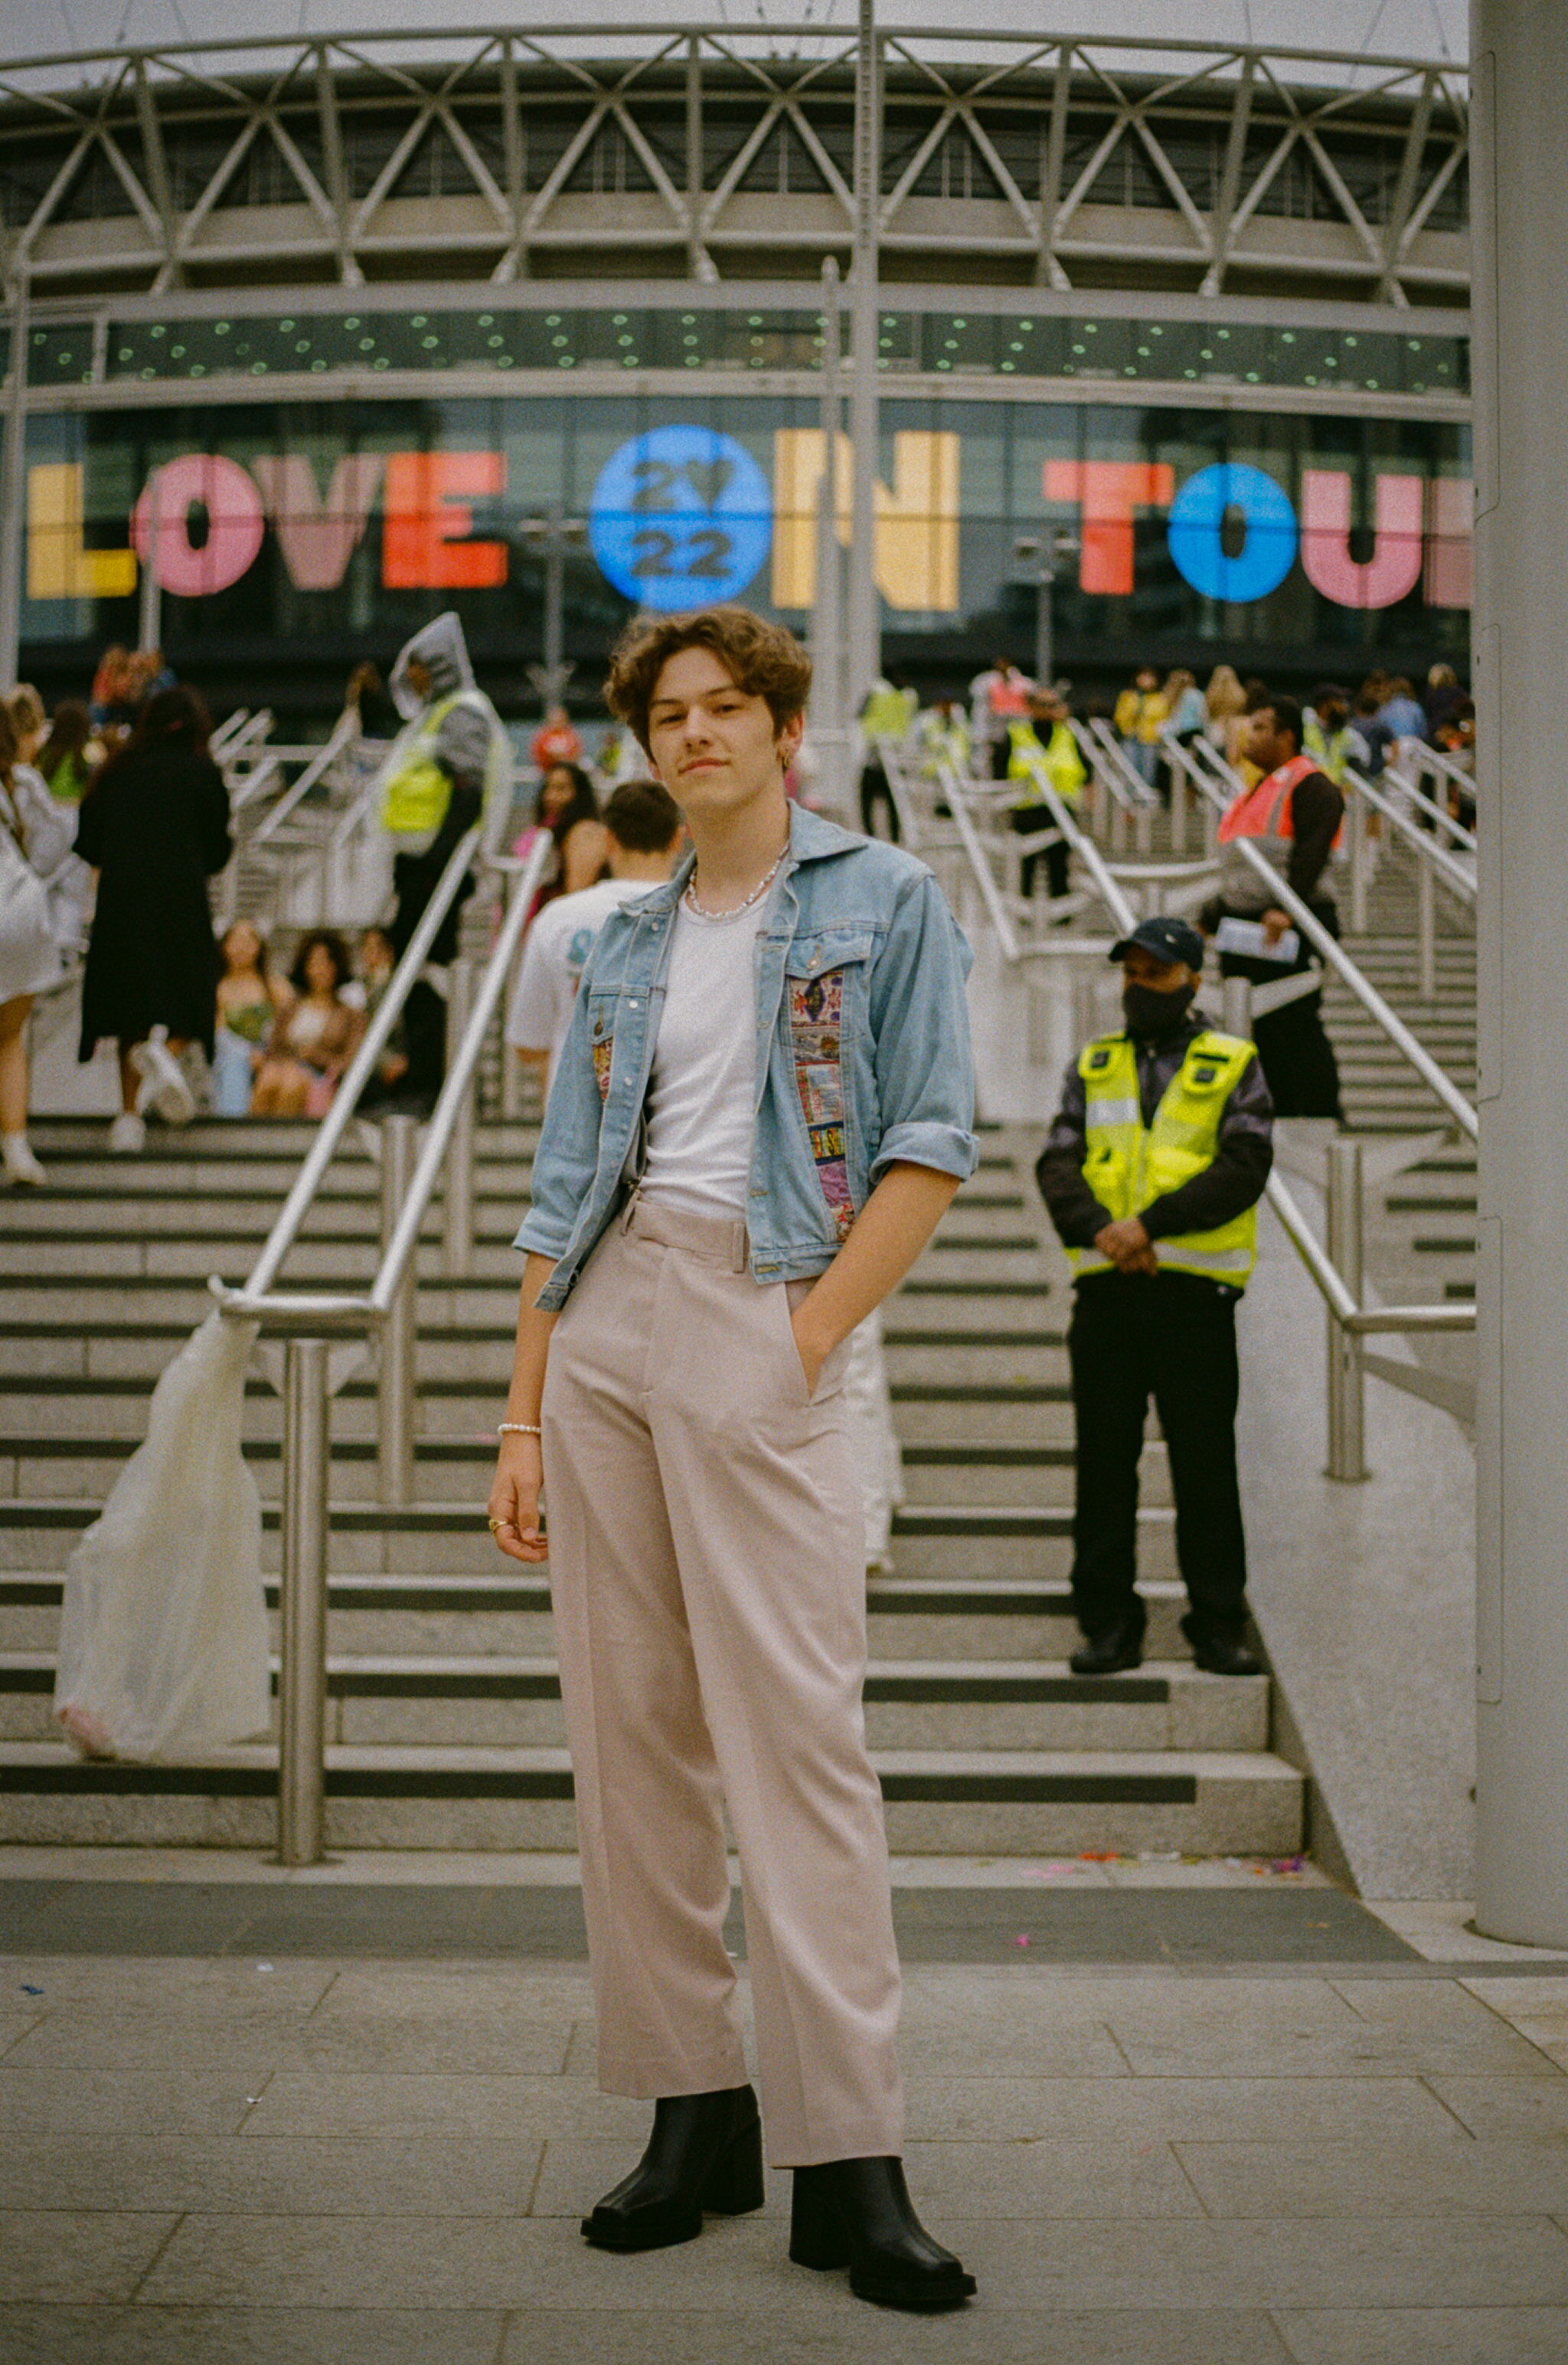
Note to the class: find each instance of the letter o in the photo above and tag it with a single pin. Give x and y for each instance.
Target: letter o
(1197, 514)
(236, 523)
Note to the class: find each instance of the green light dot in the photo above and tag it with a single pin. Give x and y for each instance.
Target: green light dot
(687, 319)
(557, 341)
(564, 361)
(1189, 373)
(551, 319)
(367, 344)
(381, 362)
(258, 369)
(149, 373)
(353, 321)
(1078, 349)
(505, 362)
(303, 345)
(1287, 337)
(318, 365)
(1371, 385)
(628, 360)
(420, 321)
(1007, 365)
(160, 331)
(493, 342)
(486, 319)
(176, 353)
(198, 369)
(618, 319)
(1252, 377)
(286, 326)
(754, 320)
(941, 365)
(126, 353)
(429, 344)
(221, 328)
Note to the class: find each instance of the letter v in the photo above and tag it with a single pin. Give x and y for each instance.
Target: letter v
(317, 538)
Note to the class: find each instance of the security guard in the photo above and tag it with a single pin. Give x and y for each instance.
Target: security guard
(1041, 748)
(1152, 1172)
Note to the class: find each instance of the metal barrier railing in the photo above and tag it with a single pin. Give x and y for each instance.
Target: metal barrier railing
(307, 1322)
(1336, 1266)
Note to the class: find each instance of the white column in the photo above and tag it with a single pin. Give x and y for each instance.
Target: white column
(865, 637)
(14, 483)
(1519, 181)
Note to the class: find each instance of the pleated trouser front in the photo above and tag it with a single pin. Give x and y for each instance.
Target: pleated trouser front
(708, 1578)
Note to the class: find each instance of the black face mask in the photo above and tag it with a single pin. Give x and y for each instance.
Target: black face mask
(1149, 1012)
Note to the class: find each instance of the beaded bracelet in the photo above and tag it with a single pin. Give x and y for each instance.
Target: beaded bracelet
(518, 1429)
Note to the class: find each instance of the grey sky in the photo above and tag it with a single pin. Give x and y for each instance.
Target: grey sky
(1424, 28)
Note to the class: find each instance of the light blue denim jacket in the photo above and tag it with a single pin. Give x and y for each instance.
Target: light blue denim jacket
(862, 1055)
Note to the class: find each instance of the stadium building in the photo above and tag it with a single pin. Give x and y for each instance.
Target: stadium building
(341, 330)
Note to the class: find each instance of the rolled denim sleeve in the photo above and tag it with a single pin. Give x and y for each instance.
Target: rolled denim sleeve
(925, 1068)
(567, 1159)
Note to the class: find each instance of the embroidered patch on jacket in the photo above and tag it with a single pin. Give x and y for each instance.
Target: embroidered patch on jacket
(816, 1021)
(603, 1052)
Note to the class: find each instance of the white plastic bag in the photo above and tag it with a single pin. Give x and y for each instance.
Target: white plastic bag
(163, 1649)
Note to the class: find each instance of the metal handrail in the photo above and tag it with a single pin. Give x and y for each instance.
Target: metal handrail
(1466, 838)
(248, 1302)
(1099, 738)
(1447, 866)
(308, 1321)
(343, 737)
(1335, 955)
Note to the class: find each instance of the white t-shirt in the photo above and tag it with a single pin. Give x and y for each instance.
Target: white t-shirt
(558, 944)
(704, 1078)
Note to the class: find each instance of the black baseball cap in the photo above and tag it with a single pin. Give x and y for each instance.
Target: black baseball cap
(1165, 939)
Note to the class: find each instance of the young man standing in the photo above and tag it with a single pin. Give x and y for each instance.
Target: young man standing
(763, 1105)
(642, 829)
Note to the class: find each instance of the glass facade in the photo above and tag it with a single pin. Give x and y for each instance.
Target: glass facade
(293, 538)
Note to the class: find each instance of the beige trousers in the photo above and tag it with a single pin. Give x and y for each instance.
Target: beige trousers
(709, 1589)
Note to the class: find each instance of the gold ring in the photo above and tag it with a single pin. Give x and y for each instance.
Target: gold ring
(495, 1526)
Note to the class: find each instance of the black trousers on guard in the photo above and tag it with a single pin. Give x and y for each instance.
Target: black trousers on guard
(1172, 1336)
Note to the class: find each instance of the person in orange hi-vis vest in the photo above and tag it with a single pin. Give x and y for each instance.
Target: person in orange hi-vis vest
(1294, 817)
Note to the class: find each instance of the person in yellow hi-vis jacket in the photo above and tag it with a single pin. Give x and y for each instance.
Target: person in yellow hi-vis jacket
(450, 766)
(1042, 749)
(1152, 1172)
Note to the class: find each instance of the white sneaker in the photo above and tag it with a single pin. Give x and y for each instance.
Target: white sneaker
(126, 1135)
(20, 1164)
(166, 1087)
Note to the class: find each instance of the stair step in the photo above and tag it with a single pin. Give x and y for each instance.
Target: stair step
(938, 1802)
(503, 1701)
(451, 1613)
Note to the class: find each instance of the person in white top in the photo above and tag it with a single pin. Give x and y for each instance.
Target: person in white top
(681, 1391)
(642, 828)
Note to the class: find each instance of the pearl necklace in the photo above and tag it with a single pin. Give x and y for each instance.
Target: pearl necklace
(760, 890)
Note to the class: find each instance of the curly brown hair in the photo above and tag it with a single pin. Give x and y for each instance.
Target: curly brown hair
(762, 659)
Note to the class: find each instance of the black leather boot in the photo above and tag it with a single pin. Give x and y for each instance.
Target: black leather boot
(1109, 1654)
(858, 2213)
(705, 2153)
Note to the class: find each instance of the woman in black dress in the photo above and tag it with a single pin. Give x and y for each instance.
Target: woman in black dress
(155, 826)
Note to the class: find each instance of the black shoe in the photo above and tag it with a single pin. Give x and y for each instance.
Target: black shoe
(858, 2213)
(1109, 1654)
(705, 2153)
(1222, 1653)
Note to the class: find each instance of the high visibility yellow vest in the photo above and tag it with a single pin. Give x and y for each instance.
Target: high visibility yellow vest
(1058, 760)
(1128, 1165)
(888, 714)
(418, 792)
(1331, 754)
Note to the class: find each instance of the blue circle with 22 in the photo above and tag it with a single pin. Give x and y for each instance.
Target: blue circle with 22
(680, 517)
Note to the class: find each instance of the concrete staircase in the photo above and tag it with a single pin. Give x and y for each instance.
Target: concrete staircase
(444, 1718)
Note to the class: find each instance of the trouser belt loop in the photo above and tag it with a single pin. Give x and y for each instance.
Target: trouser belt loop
(628, 1213)
(740, 1247)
